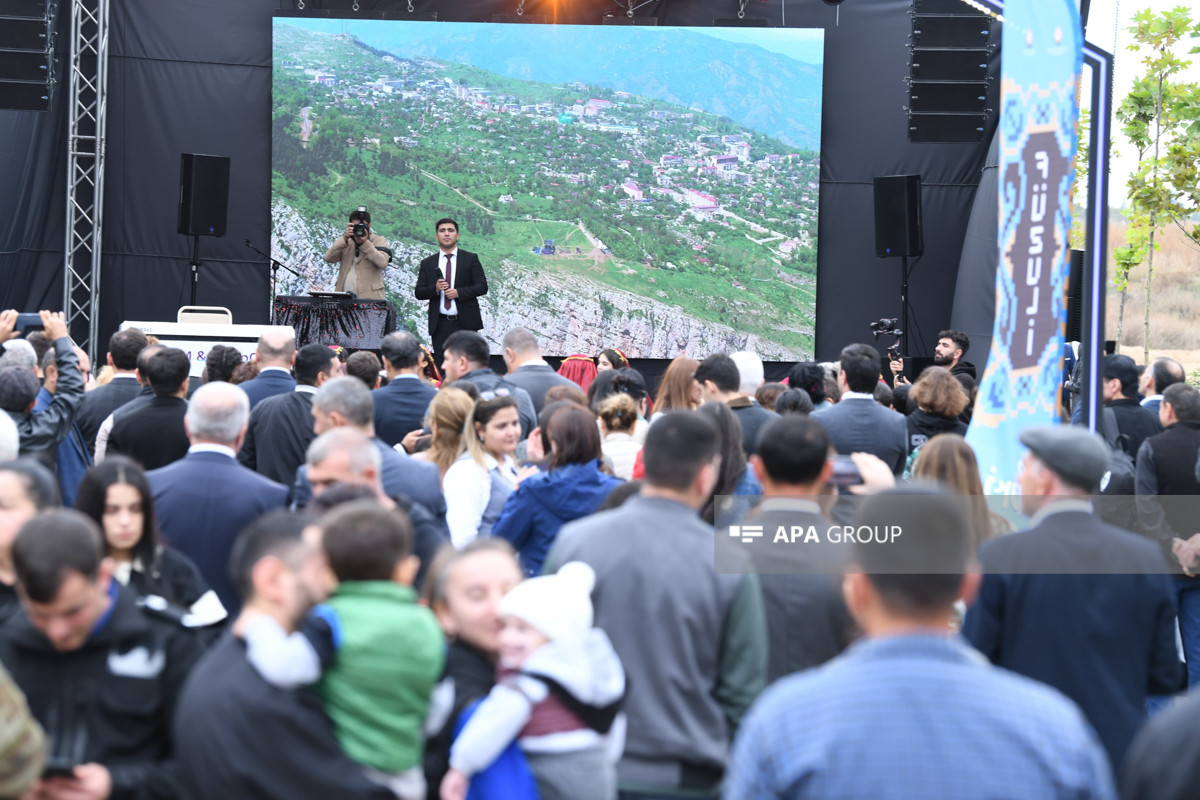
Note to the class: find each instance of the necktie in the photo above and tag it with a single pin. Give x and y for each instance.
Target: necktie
(449, 281)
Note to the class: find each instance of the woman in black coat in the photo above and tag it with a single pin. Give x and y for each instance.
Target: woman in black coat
(939, 399)
(116, 494)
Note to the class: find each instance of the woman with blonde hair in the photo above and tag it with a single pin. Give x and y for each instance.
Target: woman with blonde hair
(949, 460)
(678, 390)
(448, 413)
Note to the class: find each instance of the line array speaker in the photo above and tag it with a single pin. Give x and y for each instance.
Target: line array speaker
(948, 99)
(26, 55)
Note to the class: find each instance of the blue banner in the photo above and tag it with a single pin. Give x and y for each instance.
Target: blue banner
(1041, 58)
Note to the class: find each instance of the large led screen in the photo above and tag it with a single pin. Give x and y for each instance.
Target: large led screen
(650, 189)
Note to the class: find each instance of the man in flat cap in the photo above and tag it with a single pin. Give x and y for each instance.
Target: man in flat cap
(1073, 602)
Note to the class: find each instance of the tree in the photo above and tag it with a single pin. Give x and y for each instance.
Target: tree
(1159, 118)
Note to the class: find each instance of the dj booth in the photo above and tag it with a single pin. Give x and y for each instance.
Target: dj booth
(350, 322)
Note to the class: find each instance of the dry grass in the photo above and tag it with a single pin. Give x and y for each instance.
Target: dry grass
(1175, 298)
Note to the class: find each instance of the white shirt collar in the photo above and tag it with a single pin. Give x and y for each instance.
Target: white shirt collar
(789, 504)
(442, 254)
(534, 362)
(207, 447)
(400, 375)
(306, 389)
(1151, 399)
(857, 396)
(1059, 507)
(275, 369)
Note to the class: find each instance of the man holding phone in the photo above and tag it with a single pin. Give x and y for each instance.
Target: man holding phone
(40, 433)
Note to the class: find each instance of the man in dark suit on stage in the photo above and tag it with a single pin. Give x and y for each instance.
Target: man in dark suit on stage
(1074, 602)
(123, 349)
(401, 405)
(451, 281)
(527, 368)
(275, 354)
(154, 435)
(205, 499)
(281, 427)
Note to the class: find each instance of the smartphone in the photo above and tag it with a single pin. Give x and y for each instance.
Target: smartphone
(30, 321)
(58, 768)
(845, 472)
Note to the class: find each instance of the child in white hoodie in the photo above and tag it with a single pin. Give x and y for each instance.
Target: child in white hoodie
(558, 693)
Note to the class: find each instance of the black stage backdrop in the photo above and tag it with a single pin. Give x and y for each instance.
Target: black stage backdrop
(196, 78)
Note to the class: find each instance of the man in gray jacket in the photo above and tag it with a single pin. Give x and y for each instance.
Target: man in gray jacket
(41, 433)
(693, 643)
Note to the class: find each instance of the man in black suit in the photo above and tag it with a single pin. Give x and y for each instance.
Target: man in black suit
(721, 382)
(857, 423)
(401, 405)
(275, 354)
(154, 435)
(527, 368)
(452, 281)
(281, 427)
(1074, 602)
(1161, 373)
(123, 349)
(206, 498)
(1135, 423)
(144, 396)
(346, 403)
(466, 359)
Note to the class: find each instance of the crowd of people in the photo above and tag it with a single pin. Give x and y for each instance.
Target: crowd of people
(399, 576)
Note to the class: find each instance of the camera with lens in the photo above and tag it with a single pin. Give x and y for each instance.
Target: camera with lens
(885, 327)
(362, 221)
(360, 230)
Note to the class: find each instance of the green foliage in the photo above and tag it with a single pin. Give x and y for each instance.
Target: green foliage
(1161, 118)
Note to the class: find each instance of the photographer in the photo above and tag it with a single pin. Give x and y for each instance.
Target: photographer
(362, 256)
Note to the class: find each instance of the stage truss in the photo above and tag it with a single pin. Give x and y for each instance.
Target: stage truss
(86, 122)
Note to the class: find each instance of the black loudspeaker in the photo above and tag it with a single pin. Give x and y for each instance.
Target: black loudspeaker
(1074, 332)
(203, 194)
(898, 229)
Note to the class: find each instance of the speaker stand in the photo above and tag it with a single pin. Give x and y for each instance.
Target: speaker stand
(904, 307)
(195, 266)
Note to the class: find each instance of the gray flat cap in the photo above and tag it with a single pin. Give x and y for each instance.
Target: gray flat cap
(1075, 454)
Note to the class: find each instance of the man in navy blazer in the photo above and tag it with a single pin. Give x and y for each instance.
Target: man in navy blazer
(451, 280)
(276, 354)
(205, 499)
(859, 424)
(346, 402)
(527, 369)
(401, 405)
(1074, 602)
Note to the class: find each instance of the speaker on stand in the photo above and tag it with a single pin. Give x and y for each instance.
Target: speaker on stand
(203, 202)
(898, 231)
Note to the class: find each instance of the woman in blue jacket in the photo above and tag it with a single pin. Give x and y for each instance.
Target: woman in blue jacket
(572, 487)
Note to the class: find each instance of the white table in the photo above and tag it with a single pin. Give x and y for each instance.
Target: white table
(197, 339)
